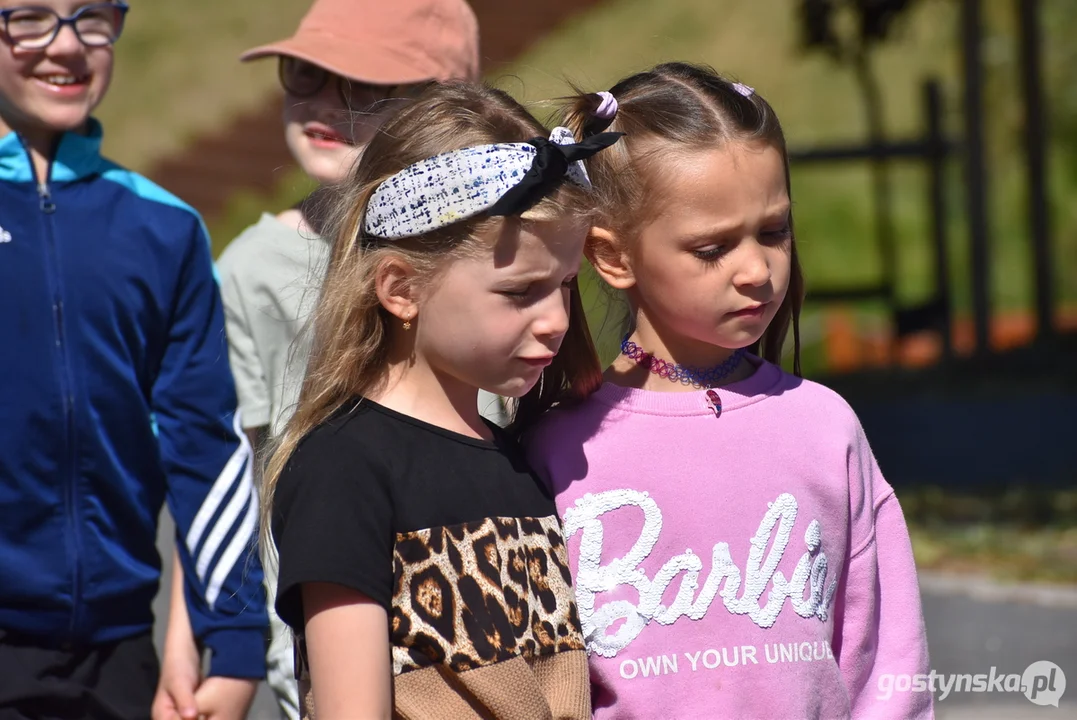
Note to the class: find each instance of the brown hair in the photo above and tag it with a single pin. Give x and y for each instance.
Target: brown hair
(351, 330)
(692, 107)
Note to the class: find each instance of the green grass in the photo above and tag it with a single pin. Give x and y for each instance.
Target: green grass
(1001, 551)
(177, 71)
(1018, 534)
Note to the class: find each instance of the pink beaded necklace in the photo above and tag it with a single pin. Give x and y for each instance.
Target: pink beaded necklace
(686, 374)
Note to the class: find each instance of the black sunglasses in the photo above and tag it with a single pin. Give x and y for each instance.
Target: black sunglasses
(303, 80)
(35, 28)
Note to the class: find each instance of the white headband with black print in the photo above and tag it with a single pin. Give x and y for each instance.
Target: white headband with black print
(499, 179)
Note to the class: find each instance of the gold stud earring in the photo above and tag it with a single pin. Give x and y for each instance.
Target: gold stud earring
(407, 323)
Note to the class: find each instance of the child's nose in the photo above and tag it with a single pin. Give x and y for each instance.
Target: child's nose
(66, 42)
(753, 268)
(553, 322)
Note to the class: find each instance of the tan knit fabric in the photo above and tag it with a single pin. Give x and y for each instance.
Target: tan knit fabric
(551, 687)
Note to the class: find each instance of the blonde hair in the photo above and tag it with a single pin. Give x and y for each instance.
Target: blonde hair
(684, 108)
(349, 350)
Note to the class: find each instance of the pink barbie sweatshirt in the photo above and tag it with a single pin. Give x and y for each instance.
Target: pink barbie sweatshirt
(753, 564)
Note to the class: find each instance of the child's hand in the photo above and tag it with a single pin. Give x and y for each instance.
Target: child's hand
(222, 698)
(180, 676)
(181, 659)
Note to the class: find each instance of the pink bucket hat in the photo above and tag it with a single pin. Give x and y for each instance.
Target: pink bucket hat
(385, 42)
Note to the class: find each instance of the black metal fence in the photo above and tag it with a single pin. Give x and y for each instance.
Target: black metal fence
(932, 150)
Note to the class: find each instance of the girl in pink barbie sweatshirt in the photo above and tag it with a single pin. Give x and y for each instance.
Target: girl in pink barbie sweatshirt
(735, 548)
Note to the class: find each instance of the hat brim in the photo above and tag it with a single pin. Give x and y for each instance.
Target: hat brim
(369, 63)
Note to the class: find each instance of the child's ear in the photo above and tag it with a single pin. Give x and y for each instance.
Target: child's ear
(395, 286)
(609, 259)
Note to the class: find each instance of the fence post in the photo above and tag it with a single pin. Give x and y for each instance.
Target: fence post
(976, 172)
(1036, 158)
(936, 202)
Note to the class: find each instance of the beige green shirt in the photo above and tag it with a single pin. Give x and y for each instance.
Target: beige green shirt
(270, 276)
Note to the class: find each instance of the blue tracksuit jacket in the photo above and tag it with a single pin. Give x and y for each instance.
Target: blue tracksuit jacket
(115, 395)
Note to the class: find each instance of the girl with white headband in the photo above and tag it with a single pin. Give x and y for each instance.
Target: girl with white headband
(422, 566)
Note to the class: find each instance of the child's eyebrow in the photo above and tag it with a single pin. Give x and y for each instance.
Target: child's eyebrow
(75, 7)
(781, 208)
(711, 232)
(769, 215)
(526, 276)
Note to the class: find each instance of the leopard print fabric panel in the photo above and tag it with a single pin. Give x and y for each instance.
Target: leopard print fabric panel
(475, 594)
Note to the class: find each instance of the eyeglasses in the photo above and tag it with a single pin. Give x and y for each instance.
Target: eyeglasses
(303, 80)
(34, 28)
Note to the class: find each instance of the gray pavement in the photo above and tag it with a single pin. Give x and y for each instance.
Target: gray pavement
(972, 626)
(1007, 710)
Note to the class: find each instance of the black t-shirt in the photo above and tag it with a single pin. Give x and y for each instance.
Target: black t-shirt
(368, 477)
(459, 541)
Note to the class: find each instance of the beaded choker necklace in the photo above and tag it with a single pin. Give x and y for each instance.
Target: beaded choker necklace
(686, 374)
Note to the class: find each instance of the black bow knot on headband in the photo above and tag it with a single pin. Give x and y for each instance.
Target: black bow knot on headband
(548, 169)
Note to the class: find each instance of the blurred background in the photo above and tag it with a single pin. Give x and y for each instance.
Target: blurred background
(934, 156)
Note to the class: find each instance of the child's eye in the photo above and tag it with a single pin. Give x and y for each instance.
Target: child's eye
(29, 17)
(516, 293)
(779, 234)
(710, 254)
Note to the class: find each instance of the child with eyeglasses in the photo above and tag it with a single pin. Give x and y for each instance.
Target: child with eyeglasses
(114, 397)
(348, 67)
